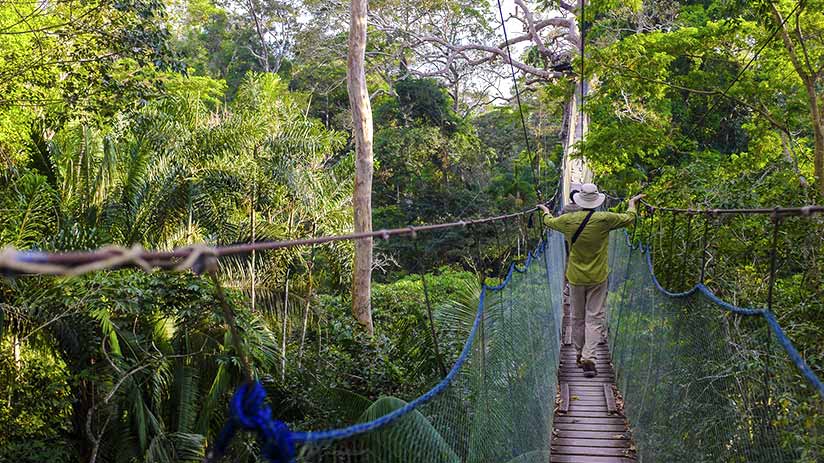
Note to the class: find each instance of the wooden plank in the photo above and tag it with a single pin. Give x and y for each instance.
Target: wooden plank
(587, 442)
(599, 378)
(583, 382)
(564, 398)
(586, 396)
(580, 373)
(591, 451)
(610, 396)
(576, 369)
(598, 353)
(572, 368)
(569, 360)
(588, 407)
(586, 390)
(587, 413)
(587, 459)
(592, 434)
(604, 362)
(572, 354)
(587, 400)
(597, 398)
(588, 427)
(589, 420)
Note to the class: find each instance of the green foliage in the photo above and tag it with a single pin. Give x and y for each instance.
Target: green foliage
(138, 353)
(142, 357)
(36, 414)
(105, 140)
(394, 443)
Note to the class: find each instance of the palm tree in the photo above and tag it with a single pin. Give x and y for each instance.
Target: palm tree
(156, 366)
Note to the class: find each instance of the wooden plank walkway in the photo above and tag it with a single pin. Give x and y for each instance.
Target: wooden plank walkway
(589, 424)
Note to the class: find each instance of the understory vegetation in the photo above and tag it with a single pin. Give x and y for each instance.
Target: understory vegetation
(164, 124)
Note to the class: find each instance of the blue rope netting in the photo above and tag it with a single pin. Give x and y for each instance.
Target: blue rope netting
(249, 411)
(768, 316)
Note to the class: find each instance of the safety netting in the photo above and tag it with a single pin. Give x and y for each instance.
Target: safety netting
(496, 403)
(704, 380)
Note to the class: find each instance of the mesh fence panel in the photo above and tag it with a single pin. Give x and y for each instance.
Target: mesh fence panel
(701, 383)
(499, 405)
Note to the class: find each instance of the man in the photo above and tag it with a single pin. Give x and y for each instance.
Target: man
(587, 235)
(572, 207)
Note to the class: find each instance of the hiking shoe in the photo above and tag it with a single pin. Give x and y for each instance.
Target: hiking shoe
(589, 368)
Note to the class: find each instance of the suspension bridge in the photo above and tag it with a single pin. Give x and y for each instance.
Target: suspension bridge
(683, 376)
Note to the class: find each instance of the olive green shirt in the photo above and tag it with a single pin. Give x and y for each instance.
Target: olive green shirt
(588, 262)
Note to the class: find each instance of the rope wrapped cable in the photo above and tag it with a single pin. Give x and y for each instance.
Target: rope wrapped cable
(37, 262)
(785, 342)
(77, 263)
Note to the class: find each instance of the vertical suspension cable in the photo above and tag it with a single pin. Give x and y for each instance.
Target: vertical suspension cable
(651, 238)
(671, 256)
(518, 100)
(704, 250)
(776, 219)
(583, 94)
(432, 329)
(252, 210)
(686, 250)
(480, 265)
(499, 247)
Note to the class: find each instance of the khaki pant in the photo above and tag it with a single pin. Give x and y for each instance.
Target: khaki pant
(588, 317)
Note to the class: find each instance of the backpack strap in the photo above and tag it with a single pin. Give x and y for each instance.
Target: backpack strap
(580, 228)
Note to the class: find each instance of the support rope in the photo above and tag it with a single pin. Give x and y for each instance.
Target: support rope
(13, 261)
(583, 80)
(432, 328)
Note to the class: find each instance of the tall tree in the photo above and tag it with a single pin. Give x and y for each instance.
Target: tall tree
(362, 195)
(801, 36)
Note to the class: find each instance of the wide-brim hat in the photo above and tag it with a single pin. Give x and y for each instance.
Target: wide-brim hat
(589, 197)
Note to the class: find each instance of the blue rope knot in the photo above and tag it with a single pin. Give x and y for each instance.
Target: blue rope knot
(249, 411)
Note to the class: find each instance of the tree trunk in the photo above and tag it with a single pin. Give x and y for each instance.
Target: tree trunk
(818, 134)
(362, 195)
(809, 77)
(83, 400)
(16, 353)
(264, 59)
